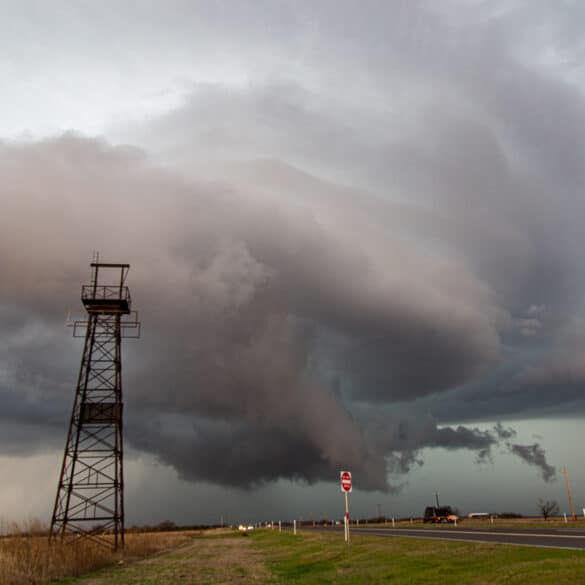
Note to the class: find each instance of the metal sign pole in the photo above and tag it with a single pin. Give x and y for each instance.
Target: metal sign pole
(346, 518)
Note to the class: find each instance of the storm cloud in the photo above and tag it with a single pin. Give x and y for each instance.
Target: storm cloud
(534, 455)
(371, 235)
(253, 307)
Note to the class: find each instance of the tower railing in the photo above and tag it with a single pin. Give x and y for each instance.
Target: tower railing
(107, 292)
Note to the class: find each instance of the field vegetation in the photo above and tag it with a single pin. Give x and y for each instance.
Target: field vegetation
(27, 557)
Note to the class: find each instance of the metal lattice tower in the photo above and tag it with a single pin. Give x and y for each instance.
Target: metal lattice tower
(90, 493)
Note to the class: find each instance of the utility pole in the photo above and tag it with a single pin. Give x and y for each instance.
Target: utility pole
(437, 498)
(566, 474)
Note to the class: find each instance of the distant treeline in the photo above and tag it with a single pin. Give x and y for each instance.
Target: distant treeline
(169, 526)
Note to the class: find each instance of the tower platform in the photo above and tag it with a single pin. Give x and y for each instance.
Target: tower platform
(106, 299)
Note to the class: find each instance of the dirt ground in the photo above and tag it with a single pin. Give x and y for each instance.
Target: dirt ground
(213, 561)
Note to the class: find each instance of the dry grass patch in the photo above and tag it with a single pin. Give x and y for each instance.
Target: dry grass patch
(31, 560)
(206, 561)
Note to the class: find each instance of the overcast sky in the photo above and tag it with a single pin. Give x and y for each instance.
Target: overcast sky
(355, 232)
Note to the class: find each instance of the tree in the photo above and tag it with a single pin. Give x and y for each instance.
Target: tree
(548, 508)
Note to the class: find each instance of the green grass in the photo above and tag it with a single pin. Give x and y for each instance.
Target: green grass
(317, 558)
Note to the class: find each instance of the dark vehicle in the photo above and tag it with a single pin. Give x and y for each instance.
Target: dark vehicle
(441, 515)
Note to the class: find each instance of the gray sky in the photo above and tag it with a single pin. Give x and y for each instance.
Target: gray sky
(355, 232)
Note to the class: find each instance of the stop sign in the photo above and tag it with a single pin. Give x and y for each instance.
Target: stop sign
(345, 478)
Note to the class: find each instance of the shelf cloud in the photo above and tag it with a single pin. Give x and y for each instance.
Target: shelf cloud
(341, 249)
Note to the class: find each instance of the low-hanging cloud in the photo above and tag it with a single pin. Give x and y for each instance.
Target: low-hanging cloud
(534, 455)
(241, 298)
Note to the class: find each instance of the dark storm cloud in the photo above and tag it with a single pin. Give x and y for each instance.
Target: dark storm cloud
(240, 294)
(534, 455)
(516, 227)
(248, 453)
(566, 369)
(504, 433)
(285, 313)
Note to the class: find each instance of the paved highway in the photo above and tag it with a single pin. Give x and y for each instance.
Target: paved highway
(567, 539)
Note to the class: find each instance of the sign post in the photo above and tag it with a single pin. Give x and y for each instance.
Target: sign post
(346, 488)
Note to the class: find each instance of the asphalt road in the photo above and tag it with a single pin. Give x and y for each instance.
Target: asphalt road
(573, 539)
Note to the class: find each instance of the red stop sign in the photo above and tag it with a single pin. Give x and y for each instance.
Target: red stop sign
(345, 478)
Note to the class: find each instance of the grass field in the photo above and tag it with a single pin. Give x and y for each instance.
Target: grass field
(270, 557)
(324, 558)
